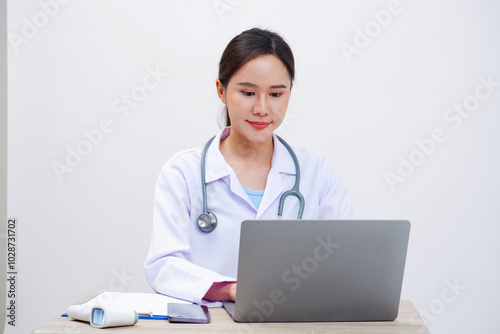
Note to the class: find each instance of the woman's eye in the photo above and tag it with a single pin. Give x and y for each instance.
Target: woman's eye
(276, 94)
(248, 93)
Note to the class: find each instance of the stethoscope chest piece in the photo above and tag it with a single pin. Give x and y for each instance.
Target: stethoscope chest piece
(207, 222)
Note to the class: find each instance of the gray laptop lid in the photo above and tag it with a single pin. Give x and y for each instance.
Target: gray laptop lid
(320, 270)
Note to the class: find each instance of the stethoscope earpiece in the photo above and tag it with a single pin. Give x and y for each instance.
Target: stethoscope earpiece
(207, 222)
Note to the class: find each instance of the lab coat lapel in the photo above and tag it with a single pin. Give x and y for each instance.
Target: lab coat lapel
(274, 188)
(237, 189)
(217, 168)
(282, 163)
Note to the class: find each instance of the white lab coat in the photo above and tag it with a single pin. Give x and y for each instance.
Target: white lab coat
(183, 261)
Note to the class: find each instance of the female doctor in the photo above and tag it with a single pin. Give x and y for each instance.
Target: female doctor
(247, 169)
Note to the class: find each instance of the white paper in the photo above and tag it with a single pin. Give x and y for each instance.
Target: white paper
(143, 303)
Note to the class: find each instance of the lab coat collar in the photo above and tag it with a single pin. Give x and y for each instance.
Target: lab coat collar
(217, 167)
(282, 163)
(282, 159)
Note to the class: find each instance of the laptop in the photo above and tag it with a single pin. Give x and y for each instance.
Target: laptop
(320, 270)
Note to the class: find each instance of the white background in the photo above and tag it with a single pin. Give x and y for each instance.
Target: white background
(89, 231)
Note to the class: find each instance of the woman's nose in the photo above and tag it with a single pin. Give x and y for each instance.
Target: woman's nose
(261, 106)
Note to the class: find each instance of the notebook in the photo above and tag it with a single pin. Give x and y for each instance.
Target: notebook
(320, 270)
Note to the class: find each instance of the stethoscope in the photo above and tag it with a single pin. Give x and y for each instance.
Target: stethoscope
(207, 221)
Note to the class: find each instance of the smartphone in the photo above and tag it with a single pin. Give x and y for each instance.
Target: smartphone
(192, 313)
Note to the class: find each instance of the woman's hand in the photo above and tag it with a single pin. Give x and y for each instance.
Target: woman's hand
(221, 291)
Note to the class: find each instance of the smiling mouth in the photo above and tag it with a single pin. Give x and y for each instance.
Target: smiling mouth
(259, 125)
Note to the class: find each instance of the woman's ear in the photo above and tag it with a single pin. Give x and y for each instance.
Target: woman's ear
(220, 91)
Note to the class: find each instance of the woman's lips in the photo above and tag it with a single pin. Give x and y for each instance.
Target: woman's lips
(259, 125)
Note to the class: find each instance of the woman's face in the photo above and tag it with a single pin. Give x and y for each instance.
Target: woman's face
(257, 98)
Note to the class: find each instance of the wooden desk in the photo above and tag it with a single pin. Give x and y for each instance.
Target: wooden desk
(408, 322)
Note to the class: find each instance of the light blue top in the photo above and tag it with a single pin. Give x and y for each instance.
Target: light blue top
(255, 196)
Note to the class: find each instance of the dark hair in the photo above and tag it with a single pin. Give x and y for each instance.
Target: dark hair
(249, 45)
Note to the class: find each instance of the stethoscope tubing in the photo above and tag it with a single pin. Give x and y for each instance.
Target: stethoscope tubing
(295, 190)
(292, 192)
(203, 170)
